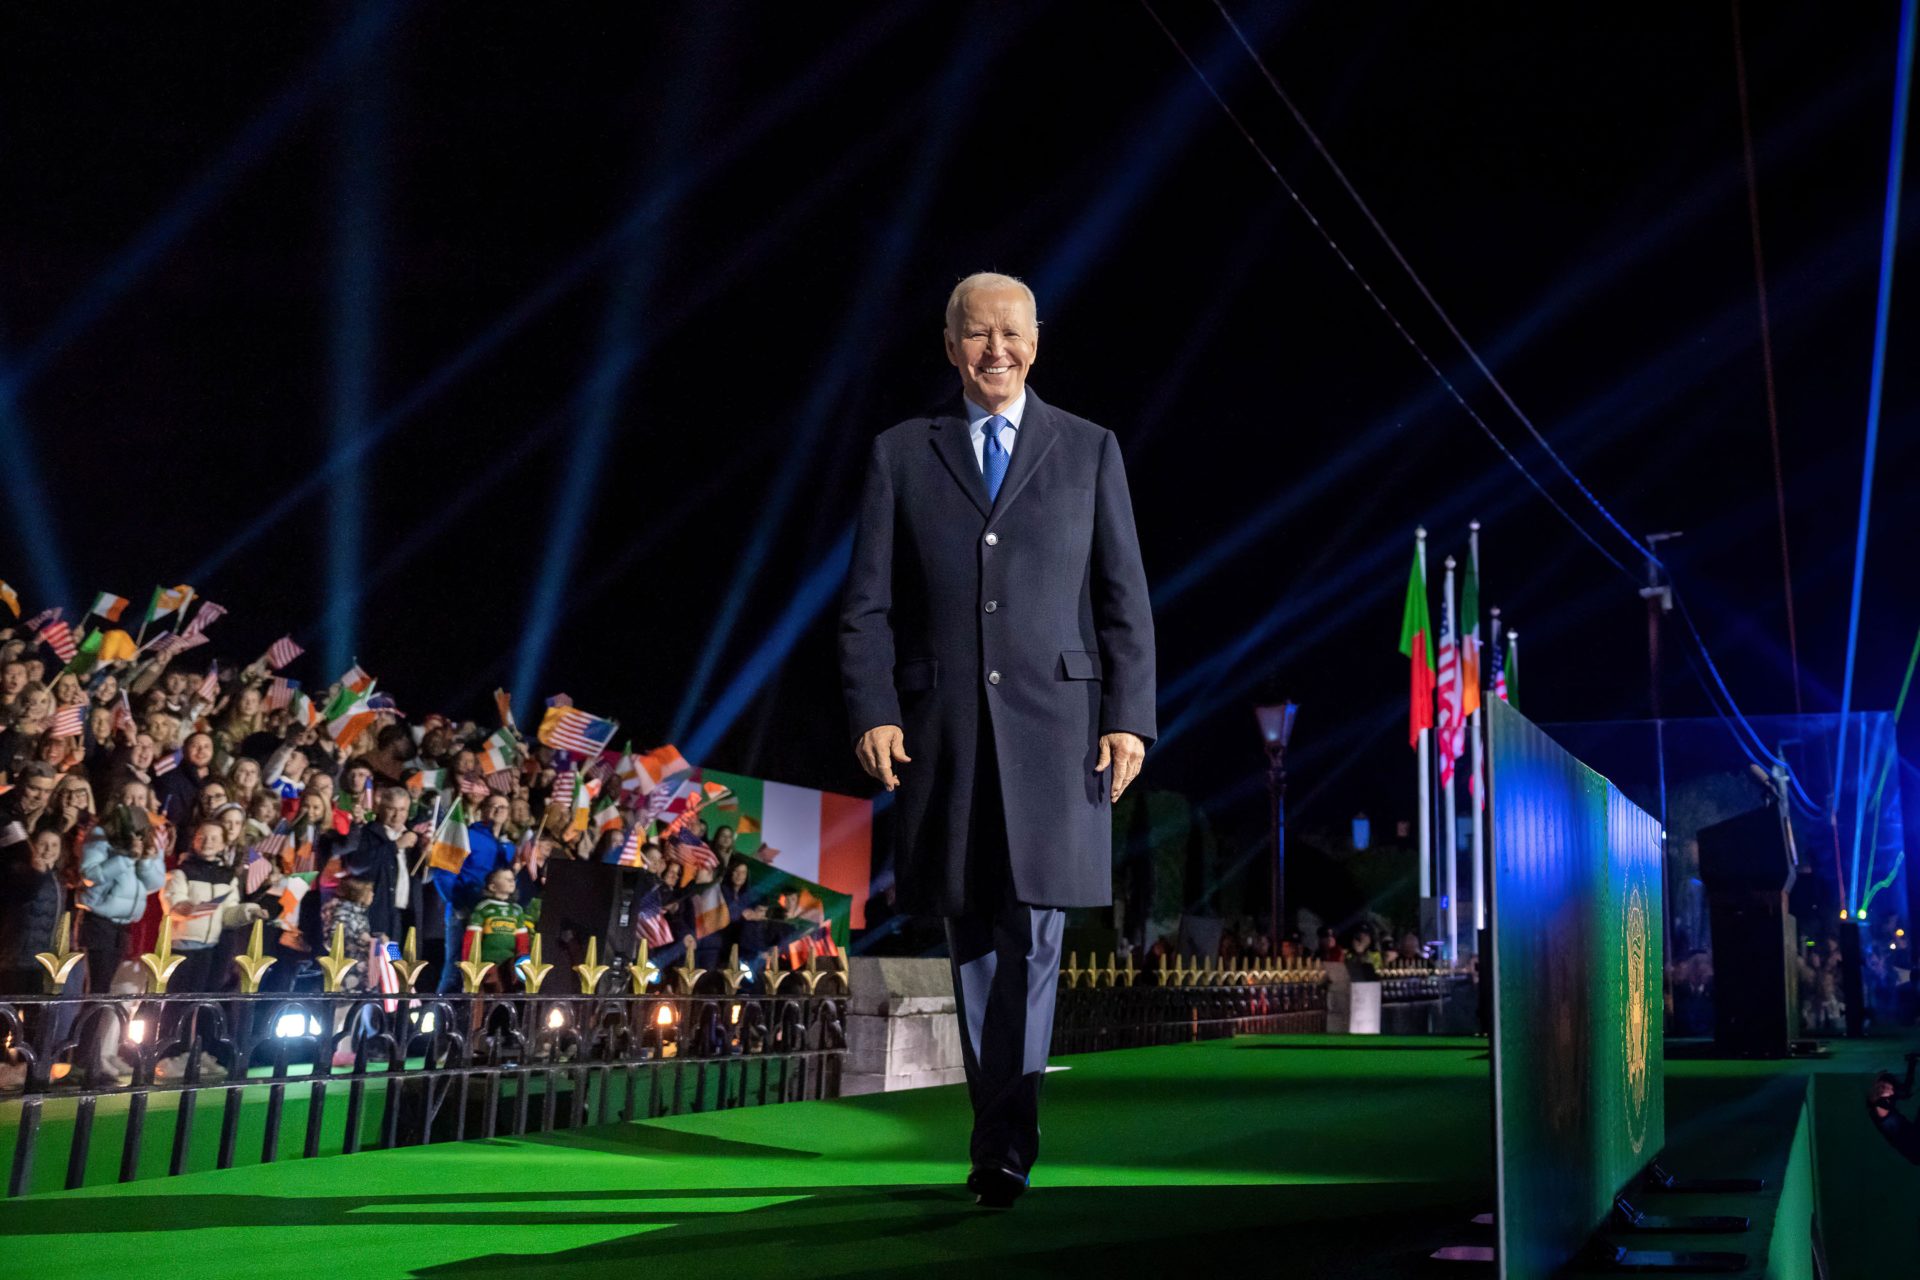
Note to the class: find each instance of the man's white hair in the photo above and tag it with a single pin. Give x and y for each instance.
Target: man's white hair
(957, 300)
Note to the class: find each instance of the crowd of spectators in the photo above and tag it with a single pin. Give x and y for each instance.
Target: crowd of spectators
(136, 793)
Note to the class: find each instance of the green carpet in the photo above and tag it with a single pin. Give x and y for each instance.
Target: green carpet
(1304, 1156)
(1242, 1150)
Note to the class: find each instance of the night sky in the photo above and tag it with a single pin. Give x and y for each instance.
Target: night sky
(613, 306)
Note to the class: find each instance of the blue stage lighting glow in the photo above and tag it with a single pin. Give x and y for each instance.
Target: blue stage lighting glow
(620, 346)
(817, 590)
(369, 26)
(872, 294)
(31, 505)
(1889, 239)
(582, 267)
(356, 269)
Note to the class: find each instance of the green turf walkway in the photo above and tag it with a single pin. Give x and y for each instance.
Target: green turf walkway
(1297, 1156)
(1154, 1161)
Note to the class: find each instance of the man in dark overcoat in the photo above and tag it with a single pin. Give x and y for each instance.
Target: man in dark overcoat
(996, 652)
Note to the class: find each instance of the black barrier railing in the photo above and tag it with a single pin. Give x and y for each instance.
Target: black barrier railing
(437, 1067)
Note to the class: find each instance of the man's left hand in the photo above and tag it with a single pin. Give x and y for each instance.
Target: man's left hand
(1124, 751)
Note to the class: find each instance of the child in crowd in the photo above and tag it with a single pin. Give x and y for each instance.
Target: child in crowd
(497, 931)
(347, 910)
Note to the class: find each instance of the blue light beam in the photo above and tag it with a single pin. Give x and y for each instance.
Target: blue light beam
(1889, 238)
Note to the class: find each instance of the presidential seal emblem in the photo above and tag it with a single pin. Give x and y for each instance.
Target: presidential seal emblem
(1637, 1025)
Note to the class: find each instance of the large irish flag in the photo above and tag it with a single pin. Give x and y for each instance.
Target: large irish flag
(816, 835)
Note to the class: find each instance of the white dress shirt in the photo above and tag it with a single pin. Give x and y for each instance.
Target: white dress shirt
(977, 427)
(402, 885)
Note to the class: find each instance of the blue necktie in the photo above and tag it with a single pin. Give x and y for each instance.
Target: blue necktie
(994, 460)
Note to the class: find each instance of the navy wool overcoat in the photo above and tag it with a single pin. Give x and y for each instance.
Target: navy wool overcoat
(1032, 608)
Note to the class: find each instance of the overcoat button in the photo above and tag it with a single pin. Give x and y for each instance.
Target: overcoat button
(993, 677)
(992, 605)
(993, 539)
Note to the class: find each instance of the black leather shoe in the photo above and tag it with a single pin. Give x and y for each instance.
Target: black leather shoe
(995, 1186)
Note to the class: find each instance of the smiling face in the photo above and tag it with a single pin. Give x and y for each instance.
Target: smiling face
(45, 852)
(993, 343)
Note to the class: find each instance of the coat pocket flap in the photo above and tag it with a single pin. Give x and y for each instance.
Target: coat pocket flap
(922, 673)
(1080, 664)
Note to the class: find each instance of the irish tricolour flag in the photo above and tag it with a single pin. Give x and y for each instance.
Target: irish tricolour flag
(816, 835)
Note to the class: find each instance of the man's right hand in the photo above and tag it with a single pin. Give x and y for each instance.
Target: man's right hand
(1880, 1097)
(881, 747)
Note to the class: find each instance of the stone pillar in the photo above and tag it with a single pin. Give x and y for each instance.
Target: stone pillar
(901, 1029)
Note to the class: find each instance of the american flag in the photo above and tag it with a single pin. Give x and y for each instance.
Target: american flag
(473, 786)
(630, 850)
(58, 636)
(690, 851)
(275, 844)
(280, 692)
(284, 650)
(649, 916)
(603, 767)
(69, 722)
(1499, 672)
(166, 764)
(501, 780)
(1449, 736)
(259, 871)
(209, 614)
(209, 686)
(41, 619)
(381, 975)
(573, 730)
(563, 784)
(123, 714)
(168, 642)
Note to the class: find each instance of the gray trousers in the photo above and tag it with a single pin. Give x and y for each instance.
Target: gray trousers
(1006, 969)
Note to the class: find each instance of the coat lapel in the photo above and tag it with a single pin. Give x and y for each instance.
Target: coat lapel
(1030, 445)
(955, 447)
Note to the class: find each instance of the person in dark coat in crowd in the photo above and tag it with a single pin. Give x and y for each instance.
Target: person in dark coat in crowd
(380, 852)
(178, 790)
(748, 929)
(33, 894)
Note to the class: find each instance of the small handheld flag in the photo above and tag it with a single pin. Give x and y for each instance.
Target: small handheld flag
(451, 845)
(109, 606)
(209, 614)
(58, 636)
(68, 722)
(570, 729)
(283, 651)
(10, 598)
(167, 599)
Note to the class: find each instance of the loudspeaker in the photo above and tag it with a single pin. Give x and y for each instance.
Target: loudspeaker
(1751, 850)
(1747, 867)
(583, 900)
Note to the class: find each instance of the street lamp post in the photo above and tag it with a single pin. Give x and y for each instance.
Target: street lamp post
(1276, 729)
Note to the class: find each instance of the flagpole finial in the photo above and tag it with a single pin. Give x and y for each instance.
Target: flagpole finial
(1473, 526)
(1449, 562)
(1496, 611)
(1420, 532)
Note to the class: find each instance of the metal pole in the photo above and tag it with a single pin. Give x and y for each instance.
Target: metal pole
(1449, 836)
(1423, 771)
(1479, 785)
(1278, 895)
(1659, 598)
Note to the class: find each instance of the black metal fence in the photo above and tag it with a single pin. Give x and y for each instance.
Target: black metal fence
(366, 1070)
(1120, 1007)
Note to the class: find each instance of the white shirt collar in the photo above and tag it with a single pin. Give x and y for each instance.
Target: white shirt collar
(977, 417)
